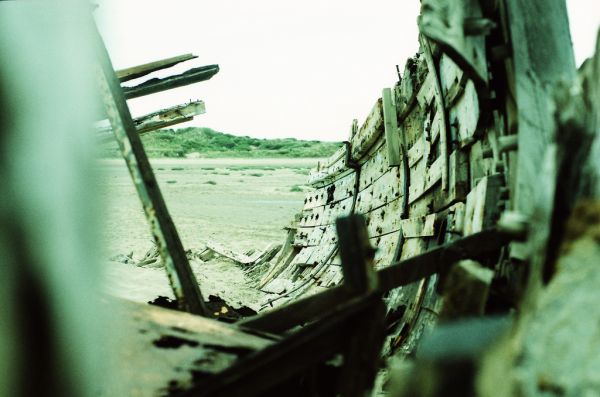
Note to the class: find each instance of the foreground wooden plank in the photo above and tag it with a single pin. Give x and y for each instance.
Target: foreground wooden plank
(135, 72)
(296, 353)
(157, 85)
(155, 349)
(184, 284)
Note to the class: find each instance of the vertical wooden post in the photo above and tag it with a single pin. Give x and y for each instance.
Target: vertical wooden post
(367, 332)
(181, 277)
(392, 135)
(440, 107)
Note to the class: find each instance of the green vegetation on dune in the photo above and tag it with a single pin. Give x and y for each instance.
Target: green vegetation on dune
(207, 142)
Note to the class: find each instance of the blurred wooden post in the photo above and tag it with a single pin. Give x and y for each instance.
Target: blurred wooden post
(366, 331)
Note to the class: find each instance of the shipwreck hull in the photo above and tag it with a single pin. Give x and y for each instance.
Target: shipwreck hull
(437, 158)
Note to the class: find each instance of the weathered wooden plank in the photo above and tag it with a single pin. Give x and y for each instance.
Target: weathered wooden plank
(417, 151)
(369, 132)
(385, 219)
(392, 134)
(458, 182)
(160, 119)
(426, 92)
(459, 28)
(464, 115)
(312, 217)
(482, 211)
(171, 116)
(383, 190)
(145, 363)
(385, 249)
(320, 259)
(185, 287)
(153, 86)
(333, 211)
(339, 190)
(135, 72)
(534, 44)
(283, 258)
(357, 254)
(405, 94)
(374, 166)
(329, 170)
(422, 226)
(453, 80)
(440, 108)
(422, 182)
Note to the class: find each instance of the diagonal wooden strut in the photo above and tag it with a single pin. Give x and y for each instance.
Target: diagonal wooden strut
(179, 272)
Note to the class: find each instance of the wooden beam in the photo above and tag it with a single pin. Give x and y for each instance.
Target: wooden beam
(160, 119)
(147, 68)
(442, 258)
(157, 85)
(437, 260)
(184, 284)
(299, 312)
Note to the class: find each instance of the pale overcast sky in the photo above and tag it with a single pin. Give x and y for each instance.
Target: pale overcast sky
(300, 69)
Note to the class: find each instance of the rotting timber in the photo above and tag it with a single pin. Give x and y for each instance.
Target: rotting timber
(420, 219)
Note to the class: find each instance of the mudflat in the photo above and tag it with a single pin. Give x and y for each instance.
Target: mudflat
(242, 203)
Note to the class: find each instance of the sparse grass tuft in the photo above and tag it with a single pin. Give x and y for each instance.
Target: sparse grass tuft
(210, 183)
(256, 174)
(296, 188)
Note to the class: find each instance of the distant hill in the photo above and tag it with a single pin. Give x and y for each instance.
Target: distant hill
(207, 142)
